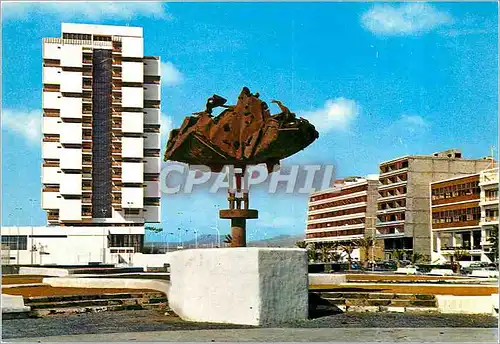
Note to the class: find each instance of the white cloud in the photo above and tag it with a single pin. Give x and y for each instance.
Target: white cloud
(166, 126)
(26, 124)
(402, 20)
(85, 10)
(170, 75)
(413, 120)
(336, 114)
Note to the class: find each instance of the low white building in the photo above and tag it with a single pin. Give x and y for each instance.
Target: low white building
(76, 246)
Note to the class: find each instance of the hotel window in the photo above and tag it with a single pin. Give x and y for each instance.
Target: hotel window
(15, 242)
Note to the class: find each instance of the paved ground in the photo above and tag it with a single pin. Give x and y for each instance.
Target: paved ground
(154, 321)
(292, 335)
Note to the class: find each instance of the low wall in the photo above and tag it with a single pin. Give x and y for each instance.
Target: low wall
(29, 270)
(324, 279)
(150, 260)
(120, 283)
(467, 304)
(246, 285)
(13, 304)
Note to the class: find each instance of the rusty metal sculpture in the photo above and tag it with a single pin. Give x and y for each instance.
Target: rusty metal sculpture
(243, 134)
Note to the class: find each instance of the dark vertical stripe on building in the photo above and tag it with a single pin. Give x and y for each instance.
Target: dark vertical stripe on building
(101, 133)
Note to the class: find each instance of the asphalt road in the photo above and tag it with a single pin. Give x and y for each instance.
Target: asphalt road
(147, 321)
(343, 335)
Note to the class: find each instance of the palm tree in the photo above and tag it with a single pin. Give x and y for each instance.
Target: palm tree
(457, 256)
(228, 239)
(326, 249)
(347, 247)
(154, 229)
(366, 244)
(312, 252)
(417, 257)
(311, 249)
(301, 244)
(397, 256)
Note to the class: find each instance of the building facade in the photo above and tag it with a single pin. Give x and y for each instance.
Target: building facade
(404, 198)
(345, 212)
(76, 246)
(488, 203)
(101, 128)
(456, 216)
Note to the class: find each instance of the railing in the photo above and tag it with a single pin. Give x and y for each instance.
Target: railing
(67, 41)
(491, 219)
(489, 199)
(461, 247)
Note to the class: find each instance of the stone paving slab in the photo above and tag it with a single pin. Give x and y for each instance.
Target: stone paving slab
(473, 335)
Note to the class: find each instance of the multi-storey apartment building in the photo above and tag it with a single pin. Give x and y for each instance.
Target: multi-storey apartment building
(344, 212)
(488, 182)
(101, 128)
(404, 197)
(456, 218)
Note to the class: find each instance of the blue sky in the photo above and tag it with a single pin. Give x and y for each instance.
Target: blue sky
(378, 80)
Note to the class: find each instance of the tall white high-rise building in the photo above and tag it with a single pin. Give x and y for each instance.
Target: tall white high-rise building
(101, 128)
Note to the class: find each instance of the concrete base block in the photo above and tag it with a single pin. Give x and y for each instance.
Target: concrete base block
(119, 283)
(484, 274)
(465, 304)
(406, 271)
(247, 285)
(28, 270)
(396, 309)
(441, 272)
(13, 304)
(321, 279)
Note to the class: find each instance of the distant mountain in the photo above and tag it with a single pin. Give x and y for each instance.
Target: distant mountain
(278, 241)
(209, 239)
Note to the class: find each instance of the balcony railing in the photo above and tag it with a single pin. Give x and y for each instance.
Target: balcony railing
(461, 247)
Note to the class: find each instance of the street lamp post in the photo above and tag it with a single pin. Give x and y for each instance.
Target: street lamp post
(171, 233)
(195, 238)
(17, 239)
(180, 232)
(217, 225)
(31, 200)
(218, 235)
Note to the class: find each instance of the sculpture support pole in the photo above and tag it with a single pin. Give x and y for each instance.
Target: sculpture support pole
(238, 232)
(238, 212)
(238, 225)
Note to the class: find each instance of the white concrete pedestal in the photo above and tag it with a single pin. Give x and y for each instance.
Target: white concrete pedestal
(248, 285)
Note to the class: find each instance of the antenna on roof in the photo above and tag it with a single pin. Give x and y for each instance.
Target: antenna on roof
(492, 156)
